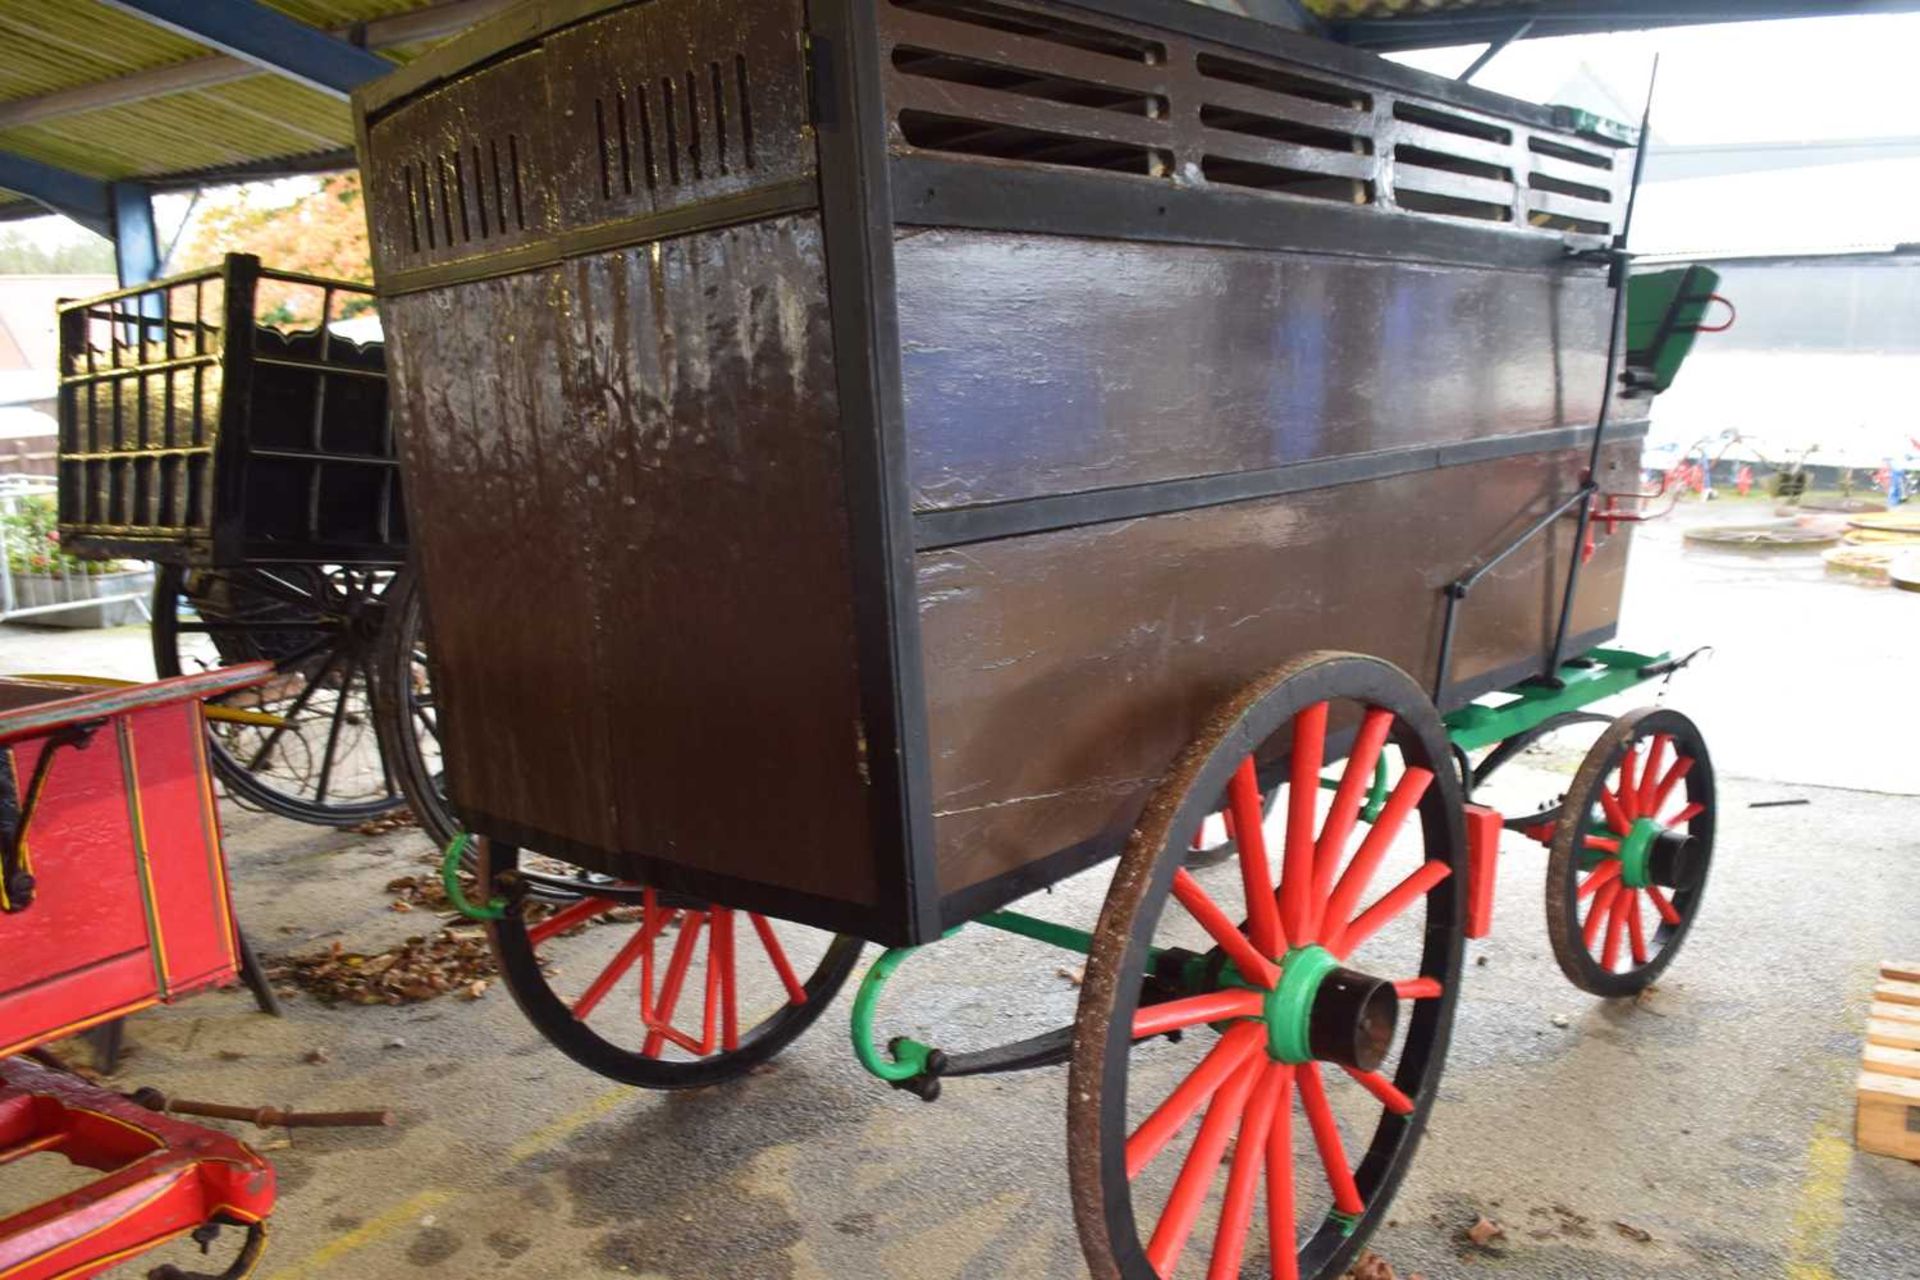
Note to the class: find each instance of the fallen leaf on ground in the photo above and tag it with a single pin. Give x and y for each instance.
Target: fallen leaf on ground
(421, 968)
(1485, 1231)
(315, 1057)
(1371, 1266)
(1632, 1232)
(1075, 975)
(386, 822)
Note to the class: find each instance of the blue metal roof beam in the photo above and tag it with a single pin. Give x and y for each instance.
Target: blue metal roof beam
(249, 30)
(88, 201)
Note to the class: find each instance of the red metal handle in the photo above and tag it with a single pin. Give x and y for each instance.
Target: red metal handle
(1732, 315)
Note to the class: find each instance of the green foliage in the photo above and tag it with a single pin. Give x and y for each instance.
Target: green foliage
(33, 542)
(20, 256)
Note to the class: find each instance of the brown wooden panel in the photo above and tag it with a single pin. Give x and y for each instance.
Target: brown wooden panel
(1066, 669)
(495, 486)
(1035, 365)
(723, 584)
(634, 544)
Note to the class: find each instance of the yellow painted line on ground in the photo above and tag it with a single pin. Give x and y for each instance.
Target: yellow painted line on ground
(402, 1214)
(1821, 1212)
(552, 1135)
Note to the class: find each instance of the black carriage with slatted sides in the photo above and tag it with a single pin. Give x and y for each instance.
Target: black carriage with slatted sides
(225, 425)
(871, 460)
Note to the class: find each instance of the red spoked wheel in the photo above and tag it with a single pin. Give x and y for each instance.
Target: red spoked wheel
(1630, 853)
(1316, 973)
(658, 990)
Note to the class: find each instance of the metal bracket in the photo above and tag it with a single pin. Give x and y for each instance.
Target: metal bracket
(17, 884)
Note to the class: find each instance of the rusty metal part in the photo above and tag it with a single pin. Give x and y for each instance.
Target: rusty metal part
(263, 1117)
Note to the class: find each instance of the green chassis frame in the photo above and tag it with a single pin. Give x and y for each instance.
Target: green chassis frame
(909, 1064)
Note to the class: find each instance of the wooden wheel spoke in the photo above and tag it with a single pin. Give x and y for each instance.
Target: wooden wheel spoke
(1228, 1055)
(729, 980)
(566, 918)
(1253, 966)
(1636, 930)
(1418, 989)
(683, 948)
(1194, 1011)
(1686, 814)
(1359, 873)
(1601, 844)
(1326, 1137)
(1616, 929)
(1282, 1239)
(1391, 904)
(616, 968)
(1298, 903)
(1243, 1179)
(1682, 766)
(1384, 1089)
(1256, 872)
(1599, 878)
(1628, 791)
(796, 993)
(1650, 772)
(1190, 1189)
(1337, 831)
(1598, 912)
(1616, 816)
(1662, 904)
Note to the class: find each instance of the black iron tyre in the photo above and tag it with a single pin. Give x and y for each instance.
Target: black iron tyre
(632, 1050)
(1595, 869)
(1141, 985)
(318, 626)
(406, 714)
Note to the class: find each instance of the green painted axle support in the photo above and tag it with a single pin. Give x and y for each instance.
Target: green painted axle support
(1600, 674)
(1581, 682)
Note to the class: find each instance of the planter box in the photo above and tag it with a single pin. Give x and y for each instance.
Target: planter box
(38, 590)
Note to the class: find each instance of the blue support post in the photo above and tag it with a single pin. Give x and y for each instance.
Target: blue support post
(249, 30)
(136, 244)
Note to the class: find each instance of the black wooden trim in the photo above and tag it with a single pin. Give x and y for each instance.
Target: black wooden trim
(963, 905)
(799, 195)
(986, 195)
(963, 525)
(857, 222)
(875, 924)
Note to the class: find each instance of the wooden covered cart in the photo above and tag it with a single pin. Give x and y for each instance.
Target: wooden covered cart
(217, 424)
(873, 459)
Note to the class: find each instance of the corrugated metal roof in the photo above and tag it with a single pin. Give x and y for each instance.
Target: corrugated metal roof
(54, 46)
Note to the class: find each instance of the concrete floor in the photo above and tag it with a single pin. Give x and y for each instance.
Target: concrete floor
(1716, 1116)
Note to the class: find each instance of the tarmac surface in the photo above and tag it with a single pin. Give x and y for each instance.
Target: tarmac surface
(1714, 1118)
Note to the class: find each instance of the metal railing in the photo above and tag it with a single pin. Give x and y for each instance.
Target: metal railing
(68, 591)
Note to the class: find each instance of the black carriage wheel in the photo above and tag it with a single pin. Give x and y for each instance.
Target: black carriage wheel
(1632, 847)
(406, 713)
(322, 764)
(1245, 1024)
(707, 951)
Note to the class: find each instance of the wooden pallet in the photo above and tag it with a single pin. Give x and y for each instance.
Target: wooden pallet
(1887, 1094)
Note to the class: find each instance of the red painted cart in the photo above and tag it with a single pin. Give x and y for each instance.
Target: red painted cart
(113, 897)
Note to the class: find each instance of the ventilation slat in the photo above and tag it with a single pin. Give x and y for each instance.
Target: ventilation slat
(1457, 186)
(1570, 206)
(1282, 106)
(1285, 155)
(994, 106)
(1565, 171)
(1023, 53)
(1479, 150)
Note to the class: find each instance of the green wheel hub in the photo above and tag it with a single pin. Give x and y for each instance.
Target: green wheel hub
(1636, 851)
(1289, 1006)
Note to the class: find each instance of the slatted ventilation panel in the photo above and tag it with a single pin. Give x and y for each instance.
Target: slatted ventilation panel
(467, 179)
(1017, 82)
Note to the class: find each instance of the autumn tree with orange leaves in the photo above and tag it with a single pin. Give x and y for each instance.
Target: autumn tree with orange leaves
(322, 234)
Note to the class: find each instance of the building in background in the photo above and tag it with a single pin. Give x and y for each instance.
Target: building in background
(30, 365)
